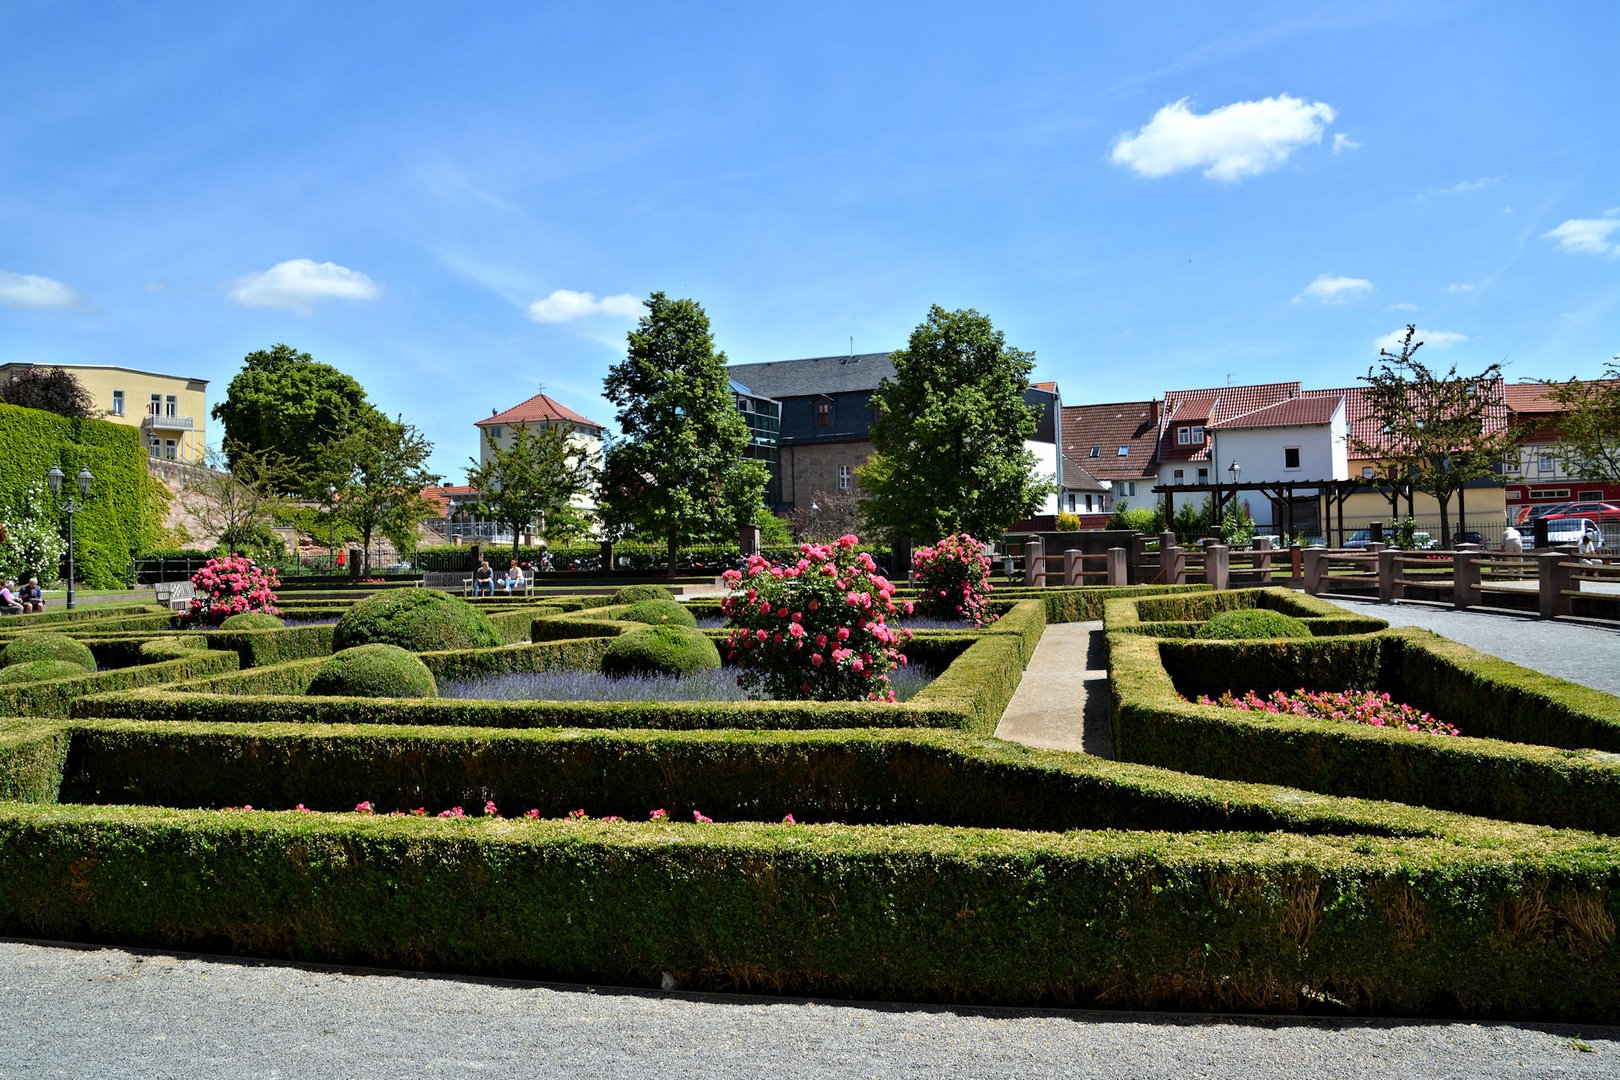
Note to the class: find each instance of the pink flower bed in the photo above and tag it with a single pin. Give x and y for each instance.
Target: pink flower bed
(1354, 706)
(815, 629)
(367, 808)
(231, 585)
(953, 579)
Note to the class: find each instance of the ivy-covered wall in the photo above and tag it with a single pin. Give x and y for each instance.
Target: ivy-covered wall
(115, 519)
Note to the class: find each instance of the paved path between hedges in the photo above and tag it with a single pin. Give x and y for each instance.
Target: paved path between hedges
(1062, 701)
(67, 1012)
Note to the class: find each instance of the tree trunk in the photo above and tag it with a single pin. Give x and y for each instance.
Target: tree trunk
(365, 553)
(1444, 499)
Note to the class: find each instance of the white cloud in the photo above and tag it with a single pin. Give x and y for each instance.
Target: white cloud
(35, 292)
(1242, 139)
(1433, 339)
(1587, 236)
(566, 305)
(1401, 307)
(1471, 185)
(1328, 289)
(1343, 142)
(296, 284)
(1460, 287)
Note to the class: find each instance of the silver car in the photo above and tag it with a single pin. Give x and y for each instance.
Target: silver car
(1570, 531)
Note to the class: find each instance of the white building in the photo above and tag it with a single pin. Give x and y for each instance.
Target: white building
(1289, 442)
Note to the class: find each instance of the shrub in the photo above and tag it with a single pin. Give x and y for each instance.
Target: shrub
(817, 628)
(167, 648)
(417, 620)
(231, 585)
(374, 671)
(252, 620)
(1143, 519)
(660, 650)
(32, 647)
(36, 670)
(1067, 522)
(953, 579)
(631, 594)
(659, 613)
(1252, 623)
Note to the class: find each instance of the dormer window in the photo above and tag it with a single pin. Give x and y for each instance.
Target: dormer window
(1125, 450)
(1190, 435)
(1096, 451)
(824, 413)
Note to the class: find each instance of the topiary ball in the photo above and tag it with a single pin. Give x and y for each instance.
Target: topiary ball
(252, 620)
(660, 650)
(374, 671)
(35, 670)
(1252, 623)
(167, 648)
(631, 594)
(417, 620)
(47, 646)
(658, 613)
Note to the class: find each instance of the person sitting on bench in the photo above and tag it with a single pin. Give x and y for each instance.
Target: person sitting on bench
(483, 580)
(514, 577)
(9, 604)
(33, 598)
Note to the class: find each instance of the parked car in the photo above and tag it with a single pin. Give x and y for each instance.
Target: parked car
(1591, 511)
(1564, 531)
(1421, 541)
(1530, 513)
(1469, 537)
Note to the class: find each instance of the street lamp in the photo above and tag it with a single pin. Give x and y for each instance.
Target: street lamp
(815, 519)
(1236, 470)
(69, 508)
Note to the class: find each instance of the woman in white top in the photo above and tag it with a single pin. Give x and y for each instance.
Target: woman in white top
(514, 577)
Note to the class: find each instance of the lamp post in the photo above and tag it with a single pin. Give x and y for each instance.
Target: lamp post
(331, 528)
(1237, 471)
(69, 508)
(815, 520)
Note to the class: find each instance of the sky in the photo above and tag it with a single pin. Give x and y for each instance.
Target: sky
(462, 204)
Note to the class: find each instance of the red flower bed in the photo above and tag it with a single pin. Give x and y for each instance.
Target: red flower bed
(1354, 706)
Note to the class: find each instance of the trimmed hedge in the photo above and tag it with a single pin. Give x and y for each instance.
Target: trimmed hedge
(417, 620)
(1182, 615)
(632, 594)
(252, 620)
(36, 670)
(659, 650)
(373, 671)
(33, 754)
(658, 613)
(1084, 603)
(55, 697)
(1253, 624)
(47, 646)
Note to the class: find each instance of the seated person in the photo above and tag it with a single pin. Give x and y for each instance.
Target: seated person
(514, 578)
(33, 598)
(484, 580)
(9, 604)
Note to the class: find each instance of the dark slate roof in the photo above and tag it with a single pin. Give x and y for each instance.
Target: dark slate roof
(814, 375)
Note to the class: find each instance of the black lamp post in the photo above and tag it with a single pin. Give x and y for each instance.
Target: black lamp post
(69, 508)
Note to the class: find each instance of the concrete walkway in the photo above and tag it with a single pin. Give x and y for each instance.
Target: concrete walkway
(1062, 701)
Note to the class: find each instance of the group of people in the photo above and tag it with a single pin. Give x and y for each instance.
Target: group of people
(484, 579)
(22, 600)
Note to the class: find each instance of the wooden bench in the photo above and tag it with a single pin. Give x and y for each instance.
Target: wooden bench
(175, 595)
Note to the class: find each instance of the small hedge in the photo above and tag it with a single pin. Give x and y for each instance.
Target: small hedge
(417, 620)
(373, 671)
(252, 620)
(1254, 623)
(55, 697)
(657, 613)
(1181, 616)
(34, 670)
(47, 646)
(660, 650)
(632, 594)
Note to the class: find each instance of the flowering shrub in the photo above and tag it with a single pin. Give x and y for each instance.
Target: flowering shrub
(1356, 706)
(953, 578)
(231, 585)
(815, 629)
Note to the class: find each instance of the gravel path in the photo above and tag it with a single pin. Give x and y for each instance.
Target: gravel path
(68, 1012)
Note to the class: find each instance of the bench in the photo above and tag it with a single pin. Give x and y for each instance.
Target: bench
(175, 595)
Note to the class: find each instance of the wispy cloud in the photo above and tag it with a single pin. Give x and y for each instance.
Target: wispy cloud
(1330, 289)
(1343, 142)
(566, 305)
(36, 293)
(1434, 339)
(1229, 143)
(1403, 306)
(296, 285)
(1466, 186)
(1587, 236)
(1458, 287)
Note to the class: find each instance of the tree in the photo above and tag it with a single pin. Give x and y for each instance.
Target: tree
(1589, 430)
(378, 470)
(535, 479)
(678, 468)
(831, 514)
(284, 402)
(50, 389)
(1437, 432)
(236, 502)
(949, 453)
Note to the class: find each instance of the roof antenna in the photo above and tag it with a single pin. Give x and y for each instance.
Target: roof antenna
(852, 344)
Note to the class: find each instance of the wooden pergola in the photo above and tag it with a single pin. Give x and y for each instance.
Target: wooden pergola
(1331, 496)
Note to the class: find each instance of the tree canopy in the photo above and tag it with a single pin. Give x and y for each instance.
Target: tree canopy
(50, 389)
(678, 468)
(286, 403)
(1589, 429)
(378, 468)
(536, 478)
(949, 452)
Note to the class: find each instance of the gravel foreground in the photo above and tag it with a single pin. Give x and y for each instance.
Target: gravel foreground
(109, 1012)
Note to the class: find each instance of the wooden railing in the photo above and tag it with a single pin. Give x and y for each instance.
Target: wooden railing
(1471, 578)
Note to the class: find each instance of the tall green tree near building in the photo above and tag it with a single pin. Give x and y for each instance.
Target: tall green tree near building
(378, 470)
(678, 468)
(949, 452)
(536, 478)
(1589, 429)
(285, 403)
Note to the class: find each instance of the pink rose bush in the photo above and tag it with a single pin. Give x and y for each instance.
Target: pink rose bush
(953, 578)
(816, 629)
(231, 585)
(1352, 706)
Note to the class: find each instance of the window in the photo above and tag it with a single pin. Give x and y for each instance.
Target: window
(154, 407)
(1180, 475)
(1190, 436)
(168, 449)
(1197, 435)
(846, 477)
(154, 449)
(1125, 450)
(495, 434)
(1549, 493)
(1203, 476)
(1598, 495)
(1183, 436)
(1088, 504)
(1544, 462)
(170, 405)
(824, 417)
(1071, 500)
(1096, 451)
(1127, 487)
(1368, 472)
(118, 403)
(1290, 457)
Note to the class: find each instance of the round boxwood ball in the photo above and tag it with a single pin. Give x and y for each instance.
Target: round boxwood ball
(659, 613)
(1253, 623)
(631, 594)
(374, 671)
(417, 620)
(35, 670)
(168, 648)
(252, 620)
(660, 650)
(47, 646)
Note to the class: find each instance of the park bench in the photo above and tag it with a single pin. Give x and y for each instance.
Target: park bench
(175, 595)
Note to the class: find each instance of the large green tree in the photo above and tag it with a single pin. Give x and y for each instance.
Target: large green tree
(1589, 429)
(1437, 431)
(285, 403)
(949, 452)
(536, 478)
(678, 468)
(377, 469)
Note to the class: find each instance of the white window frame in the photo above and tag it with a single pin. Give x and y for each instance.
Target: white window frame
(118, 403)
(1127, 487)
(1203, 476)
(1544, 463)
(846, 477)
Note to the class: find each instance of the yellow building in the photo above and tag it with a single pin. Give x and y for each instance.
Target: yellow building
(170, 410)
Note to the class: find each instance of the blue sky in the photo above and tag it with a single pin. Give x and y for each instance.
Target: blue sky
(459, 203)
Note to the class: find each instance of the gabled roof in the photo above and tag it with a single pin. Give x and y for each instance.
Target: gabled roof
(1536, 398)
(1049, 387)
(441, 494)
(1132, 424)
(1296, 412)
(1077, 477)
(814, 375)
(1363, 429)
(538, 409)
(1212, 405)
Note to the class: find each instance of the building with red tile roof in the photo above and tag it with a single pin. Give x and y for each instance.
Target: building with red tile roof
(1116, 445)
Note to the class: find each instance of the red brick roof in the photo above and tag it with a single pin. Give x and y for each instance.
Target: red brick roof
(1049, 387)
(1362, 428)
(538, 409)
(440, 495)
(1132, 424)
(1296, 412)
(1212, 405)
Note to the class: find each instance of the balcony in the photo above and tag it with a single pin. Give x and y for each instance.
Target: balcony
(166, 423)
